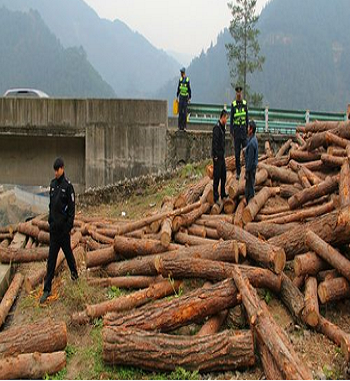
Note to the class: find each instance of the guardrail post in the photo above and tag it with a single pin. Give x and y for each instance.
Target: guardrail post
(307, 116)
(266, 119)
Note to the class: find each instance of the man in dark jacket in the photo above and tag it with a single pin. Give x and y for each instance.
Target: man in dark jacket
(251, 161)
(238, 126)
(218, 154)
(61, 220)
(183, 94)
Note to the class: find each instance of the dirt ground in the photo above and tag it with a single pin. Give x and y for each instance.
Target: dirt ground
(84, 350)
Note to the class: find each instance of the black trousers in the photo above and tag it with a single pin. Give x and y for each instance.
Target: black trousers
(250, 184)
(182, 121)
(219, 175)
(59, 241)
(240, 141)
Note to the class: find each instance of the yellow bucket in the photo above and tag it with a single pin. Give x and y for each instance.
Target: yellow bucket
(176, 107)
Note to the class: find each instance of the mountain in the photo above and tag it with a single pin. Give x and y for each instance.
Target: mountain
(305, 43)
(124, 58)
(31, 56)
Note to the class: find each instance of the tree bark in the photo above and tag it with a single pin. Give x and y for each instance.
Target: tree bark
(309, 264)
(131, 282)
(268, 149)
(213, 324)
(188, 219)
(284, 149)
(304, 156)
(100, 257)
(332, 161)
(197, 230)
(268, 230)
(238, 187)
(344, 184)
(333, 289)
(238, 218)
(218, 352)
(28, 229)
(179, 268)
(311, 311)
(288, 191)
(127, 302)
(8, 255)
(319, 139)
(46, 336)
(256, 203)
(270, 256)
(327, 275)
(269, 332)
(191, 240)
(31, 365)
(10, 297)
(230, 166)
(300, 140)
(334, 139)
(334, 228)
(270, 367)
(283, 175)
(166, 225)
(328, 253)
(326, 187)
(192, 193)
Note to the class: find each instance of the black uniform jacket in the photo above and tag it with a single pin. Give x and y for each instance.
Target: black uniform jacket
(218, 142)
(62, 205)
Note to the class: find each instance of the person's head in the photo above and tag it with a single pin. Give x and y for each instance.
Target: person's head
(251, 128)
(238, 90)
(223, 117)
(183, 72)
(58, 167)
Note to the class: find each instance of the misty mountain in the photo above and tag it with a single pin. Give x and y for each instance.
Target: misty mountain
(31, 56)
(124, 58)
(306, 45)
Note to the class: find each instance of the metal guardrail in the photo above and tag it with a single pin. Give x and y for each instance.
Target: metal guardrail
(268, 120)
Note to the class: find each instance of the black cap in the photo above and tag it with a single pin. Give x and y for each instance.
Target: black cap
(182, 70)
(223, 112)
(238, 88)
(59, 163)
(252, 124)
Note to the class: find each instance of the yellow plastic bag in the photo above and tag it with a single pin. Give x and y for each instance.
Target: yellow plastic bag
(176, 107)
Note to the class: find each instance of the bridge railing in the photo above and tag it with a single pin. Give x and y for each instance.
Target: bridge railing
(268, 120)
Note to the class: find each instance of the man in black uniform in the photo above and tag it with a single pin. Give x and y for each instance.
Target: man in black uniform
(218, 154)
(61, 219)
(238, 126)
(184, 95)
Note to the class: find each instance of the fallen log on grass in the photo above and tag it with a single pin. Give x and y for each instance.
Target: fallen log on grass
(218, 352)
(8, 255)
(131, 282)
(311, 312)
(10, 297)
(331, 290)
(309, 264)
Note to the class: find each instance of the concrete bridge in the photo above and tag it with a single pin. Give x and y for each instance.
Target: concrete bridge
(101, 141)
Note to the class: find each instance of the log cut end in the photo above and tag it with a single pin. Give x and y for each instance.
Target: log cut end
(280, 260)
(311, 318)
(322, 293)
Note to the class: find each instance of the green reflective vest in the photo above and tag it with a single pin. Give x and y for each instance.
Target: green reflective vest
(240, 115)
(184, 86)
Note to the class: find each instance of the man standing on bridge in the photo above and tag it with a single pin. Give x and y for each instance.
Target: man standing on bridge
(218, 154)
(251, 161)
(238, 126)
(184, 95)
(61, 219)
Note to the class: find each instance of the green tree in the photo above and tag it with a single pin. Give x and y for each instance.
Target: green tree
(243, 54)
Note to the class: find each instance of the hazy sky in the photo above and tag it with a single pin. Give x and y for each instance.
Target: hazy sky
(184, 26)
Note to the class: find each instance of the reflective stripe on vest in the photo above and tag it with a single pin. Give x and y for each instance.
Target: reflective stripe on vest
(184, 87)
(239, 117)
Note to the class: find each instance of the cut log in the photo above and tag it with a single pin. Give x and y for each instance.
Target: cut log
(45, 337)
(257, 202)
(320, 126)
(326, 187)
(309, 264)
(217, 208)
(238, 219)
(284, 149)
(166, 225)
(278, 162)
(219, 251)
(268, 149)
(300, 139)
(218, 352)
(348, 151)
(30, 282)
(269, 332)
(304, 156)
(270, 256)
(179, 268)
(197, 230)
(318, 140)
(238, 188)
(270, 367)
(336, 151)
(230, 166)
(8, 255)
(188, 219)
(191, 194)
(229, 206)
(334, 139)
(303, 178)
(292, 298)
(328, 253)
(332, 161)
(10, 297)
(311, 312)
(267, 229)
(213, 324)
(333, 289)
(102, 238)
(166, 316)
(130, 282)
(31, 366)
(316, 165)
(327, 275)
(124, 303)
(344, 184)
(191, 240)
(334, 228)
(42, 225)
(298, 281)
(312, 177)
(28, 229)
(337, 335)
(283, 175)
(287, 191)
(100, 257)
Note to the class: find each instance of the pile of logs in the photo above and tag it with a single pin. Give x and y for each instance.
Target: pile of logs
(300, 213)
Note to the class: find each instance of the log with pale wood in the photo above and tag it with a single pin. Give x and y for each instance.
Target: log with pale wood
(257, 202)
(213, 324)
(45, 336)
(327, 274)
(238, 218)
(218, 352)
(191, 194)
(268, 150)
(311, 312)
(184, 238)
(127, 302)
(272, 257)
(319, 139)
(344, 184)
(10, 297)
(230, 166)
(333, 289)
(283, 175)
(268, 331)
(238, 187)
(168, 315)
(268, 229)
(188, 219)
(166, 224)
(8, 255)
(333, 151)
(309, 264)
(100, 257)
(304, 156)
(31, 365)
(332, 161)
(284, 149)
